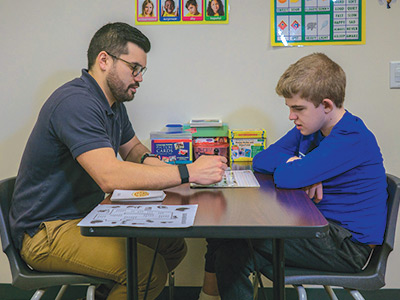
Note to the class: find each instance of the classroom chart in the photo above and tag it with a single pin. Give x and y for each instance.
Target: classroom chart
(177, 12)
(317, 22)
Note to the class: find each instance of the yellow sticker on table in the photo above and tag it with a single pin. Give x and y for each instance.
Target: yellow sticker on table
(140, 194)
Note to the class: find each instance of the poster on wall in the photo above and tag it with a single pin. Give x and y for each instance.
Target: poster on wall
(167, 12)
(317, 22)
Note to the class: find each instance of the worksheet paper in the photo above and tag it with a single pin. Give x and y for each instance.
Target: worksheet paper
(233, 178)
(170, 216)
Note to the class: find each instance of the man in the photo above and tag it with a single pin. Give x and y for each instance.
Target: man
(70, 163)
(333, 156)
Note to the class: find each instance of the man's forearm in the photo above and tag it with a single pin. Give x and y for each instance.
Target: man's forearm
(137, 152)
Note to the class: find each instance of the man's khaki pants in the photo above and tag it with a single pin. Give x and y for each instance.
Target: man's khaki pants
(58, 246)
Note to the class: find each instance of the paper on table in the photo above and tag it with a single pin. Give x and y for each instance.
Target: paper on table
(135, 195)
(233, 178)
(155, 216)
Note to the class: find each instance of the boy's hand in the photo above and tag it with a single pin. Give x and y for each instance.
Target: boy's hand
(314, 191)
(292, 159)
(207, 169)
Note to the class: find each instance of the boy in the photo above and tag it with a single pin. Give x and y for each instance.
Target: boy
(335, 159)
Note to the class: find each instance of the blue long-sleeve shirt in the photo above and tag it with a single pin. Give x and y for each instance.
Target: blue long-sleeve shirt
(349, 164)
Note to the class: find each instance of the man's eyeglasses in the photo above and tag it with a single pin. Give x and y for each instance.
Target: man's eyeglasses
(136, 68)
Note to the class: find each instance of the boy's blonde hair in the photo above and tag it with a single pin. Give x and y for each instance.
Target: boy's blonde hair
(314, 77)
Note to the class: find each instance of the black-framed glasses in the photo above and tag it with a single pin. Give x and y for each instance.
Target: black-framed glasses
(136, 68)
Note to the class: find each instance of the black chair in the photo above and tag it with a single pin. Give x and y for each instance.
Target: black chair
(23, 276)
(371, 278)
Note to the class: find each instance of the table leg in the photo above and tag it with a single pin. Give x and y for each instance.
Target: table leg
(278, 269)
(131, 269)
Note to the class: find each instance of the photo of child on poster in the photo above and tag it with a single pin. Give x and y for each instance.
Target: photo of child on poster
(169, 10)
(193, 10)
(147, 11)
(215, 10)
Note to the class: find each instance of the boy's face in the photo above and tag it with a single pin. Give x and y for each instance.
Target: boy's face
(192, 9)
(307, 118)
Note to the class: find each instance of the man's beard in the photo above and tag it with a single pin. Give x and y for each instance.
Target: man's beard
(119, 92)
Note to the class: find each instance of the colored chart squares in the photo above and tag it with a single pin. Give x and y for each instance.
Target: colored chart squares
(317, 22)
(290, 27)
(317, 27)
(317, 5)
(346, 20)
(288, 6)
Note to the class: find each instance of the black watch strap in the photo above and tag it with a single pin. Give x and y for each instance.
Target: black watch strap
(146, 155)
(184, 173)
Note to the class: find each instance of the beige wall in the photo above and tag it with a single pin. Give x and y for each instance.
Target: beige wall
(226, 71)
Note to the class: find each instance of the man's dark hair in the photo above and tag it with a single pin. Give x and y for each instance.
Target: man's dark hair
(113, 38)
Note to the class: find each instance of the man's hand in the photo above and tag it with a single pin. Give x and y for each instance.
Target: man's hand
(207, 169)
(314, 191)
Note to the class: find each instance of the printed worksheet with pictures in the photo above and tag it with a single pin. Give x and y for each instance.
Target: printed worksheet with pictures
(233, 178)
(170, 216)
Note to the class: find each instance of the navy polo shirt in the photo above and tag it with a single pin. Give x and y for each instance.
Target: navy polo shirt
(51, 184)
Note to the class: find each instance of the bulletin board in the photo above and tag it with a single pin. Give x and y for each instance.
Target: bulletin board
(176, 12)
(317, 22)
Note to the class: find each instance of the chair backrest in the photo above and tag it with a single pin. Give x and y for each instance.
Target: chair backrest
(6, 191)
(392, 209)
(22, 275)
(376, 268)
(373, 276)
(17, 265)
(20, 272)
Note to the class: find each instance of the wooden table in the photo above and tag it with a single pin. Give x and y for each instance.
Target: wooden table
(264, 212)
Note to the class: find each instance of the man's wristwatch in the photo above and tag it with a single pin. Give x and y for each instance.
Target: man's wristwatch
(146, 155)
(184, 173)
